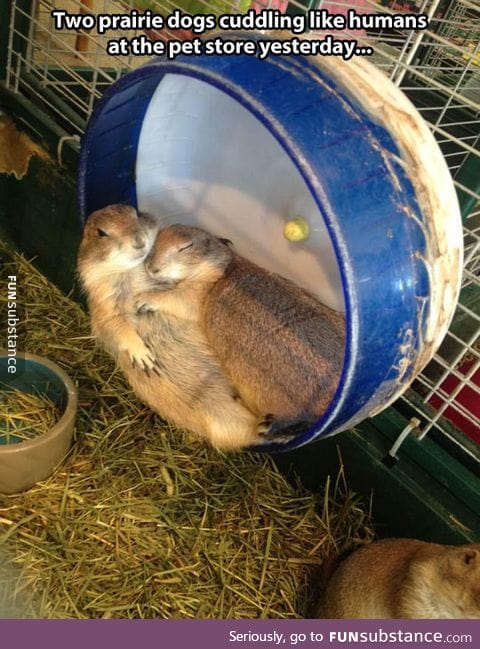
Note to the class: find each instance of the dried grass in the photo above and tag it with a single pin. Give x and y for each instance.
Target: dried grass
(142, 520)
(25, 415)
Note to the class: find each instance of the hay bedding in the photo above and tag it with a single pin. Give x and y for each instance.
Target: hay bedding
(142, 520)
(25, 416)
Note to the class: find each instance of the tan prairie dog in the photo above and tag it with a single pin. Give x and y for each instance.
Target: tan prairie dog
(405, 578)
(166, 359)
(115, 243)
(282, 349)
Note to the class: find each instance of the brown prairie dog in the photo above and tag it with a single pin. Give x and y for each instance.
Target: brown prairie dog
(186, 385)
(282, 349)
(405, 578)
(115, 243)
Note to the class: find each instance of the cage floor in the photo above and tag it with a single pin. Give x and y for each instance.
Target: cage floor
(142, 520)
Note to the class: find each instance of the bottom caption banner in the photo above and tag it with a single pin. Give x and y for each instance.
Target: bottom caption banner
(222, 634)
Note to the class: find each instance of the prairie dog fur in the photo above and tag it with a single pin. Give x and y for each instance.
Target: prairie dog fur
(405, 578)
(166, 359)
(282, 349)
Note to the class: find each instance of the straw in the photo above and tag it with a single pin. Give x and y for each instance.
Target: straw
(25, 415)
(143, 520)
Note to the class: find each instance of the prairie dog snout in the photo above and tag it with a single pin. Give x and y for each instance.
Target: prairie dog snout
(282, 349)
(405, 578)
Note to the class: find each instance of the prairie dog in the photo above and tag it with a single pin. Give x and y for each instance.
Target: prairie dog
(114, 246)
(405, 578)
(166, 359)
(282, 349)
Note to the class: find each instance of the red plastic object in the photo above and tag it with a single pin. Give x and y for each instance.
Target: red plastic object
(467, 397)
(166, 34)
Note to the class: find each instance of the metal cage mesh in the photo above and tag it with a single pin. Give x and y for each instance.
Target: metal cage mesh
(439, 69)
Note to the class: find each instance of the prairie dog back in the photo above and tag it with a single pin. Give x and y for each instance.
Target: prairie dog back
(282, 349)
(405, 578)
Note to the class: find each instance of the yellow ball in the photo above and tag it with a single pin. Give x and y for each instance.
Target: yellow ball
(297, 229)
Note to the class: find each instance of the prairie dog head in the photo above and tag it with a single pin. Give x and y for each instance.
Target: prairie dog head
(452, 576)
(182, 253)
(116, 238)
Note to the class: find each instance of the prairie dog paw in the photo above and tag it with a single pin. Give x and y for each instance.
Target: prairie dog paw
(264, 425)
(268, 432)
(140, 356)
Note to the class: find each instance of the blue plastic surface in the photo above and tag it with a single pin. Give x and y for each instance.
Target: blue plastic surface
(338, 150)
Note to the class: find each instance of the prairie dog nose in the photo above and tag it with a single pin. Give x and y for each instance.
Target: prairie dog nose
(151, 269)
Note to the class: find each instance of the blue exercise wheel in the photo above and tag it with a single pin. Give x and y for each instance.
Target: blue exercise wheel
(244, 148)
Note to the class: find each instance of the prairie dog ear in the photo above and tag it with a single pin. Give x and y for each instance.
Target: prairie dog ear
(226, 242)
(464, 559)
(469, 556)
(150, 220)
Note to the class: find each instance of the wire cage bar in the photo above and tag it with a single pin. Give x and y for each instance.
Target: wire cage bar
(65, 72)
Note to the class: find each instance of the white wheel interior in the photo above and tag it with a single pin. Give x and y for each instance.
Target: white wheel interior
(205, 160)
